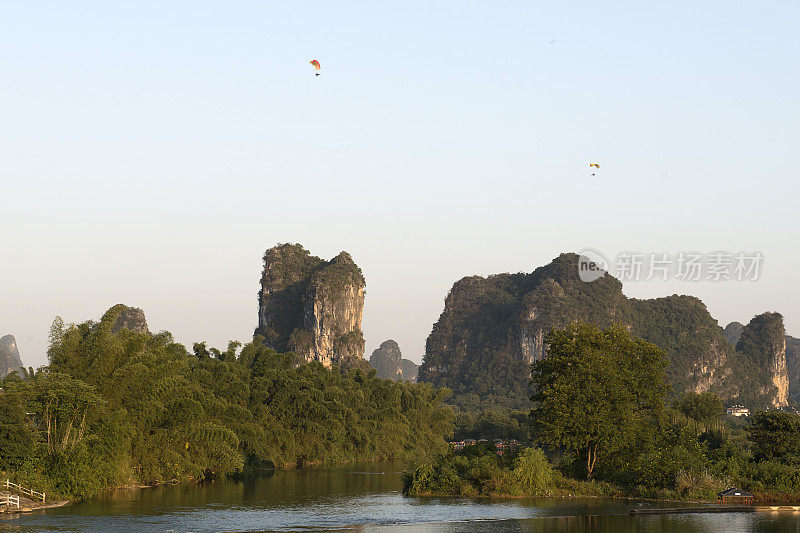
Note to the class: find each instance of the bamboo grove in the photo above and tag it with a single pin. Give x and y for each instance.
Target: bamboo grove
(124, 408)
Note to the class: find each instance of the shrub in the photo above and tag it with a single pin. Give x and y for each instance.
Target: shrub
(533, 472)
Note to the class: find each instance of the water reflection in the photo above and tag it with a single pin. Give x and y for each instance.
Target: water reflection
(363, 498)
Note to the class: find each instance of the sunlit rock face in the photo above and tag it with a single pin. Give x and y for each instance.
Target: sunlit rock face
(793, 366)
(763, 343)
(780, 377)
(388, 362)
(312, 307)
(9, 356)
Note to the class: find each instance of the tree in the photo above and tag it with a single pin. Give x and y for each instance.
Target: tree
(533, 471)
(775, 435)
(16, 436)
(116, 406)
(595, 390)
(59, 405)
(704, 407)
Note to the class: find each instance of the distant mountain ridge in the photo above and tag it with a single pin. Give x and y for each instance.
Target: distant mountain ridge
(493, 328)
(733, 331)
(388, 361)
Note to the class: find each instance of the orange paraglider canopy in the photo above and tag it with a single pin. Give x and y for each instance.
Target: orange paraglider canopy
(315, 63)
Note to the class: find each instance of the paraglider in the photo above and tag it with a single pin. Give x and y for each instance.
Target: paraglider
(316, 66)
(594, 167)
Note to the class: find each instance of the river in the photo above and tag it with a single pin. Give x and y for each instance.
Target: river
(362, 498)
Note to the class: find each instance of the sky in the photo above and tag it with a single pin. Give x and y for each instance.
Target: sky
(151, 151)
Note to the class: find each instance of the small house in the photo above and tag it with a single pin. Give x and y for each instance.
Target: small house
(734, 496)
(738, 410)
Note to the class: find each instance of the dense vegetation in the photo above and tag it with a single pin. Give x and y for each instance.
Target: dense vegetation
(600, 413)
(479, 471)
(128, 408)
(492, 328)
(505, 424)
(688, 334)
(596, 391)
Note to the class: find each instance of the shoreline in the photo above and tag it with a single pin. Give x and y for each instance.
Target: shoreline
(287, 467)
(765, 500)
(760, 499)
(16, 513)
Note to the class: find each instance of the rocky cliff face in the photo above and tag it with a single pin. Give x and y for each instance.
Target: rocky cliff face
(793, 366)
(312, 307)
(9, 356)
(700, 358)
(492, 328)
(388, 361)
(123, 317)
(763, 343)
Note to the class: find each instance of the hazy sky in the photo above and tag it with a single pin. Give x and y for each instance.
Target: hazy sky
(151, 151)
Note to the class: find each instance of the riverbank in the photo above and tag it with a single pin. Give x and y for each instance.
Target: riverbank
(482, 473)
(571, 489)
(28, 506)
(566, 490)
(354, 498)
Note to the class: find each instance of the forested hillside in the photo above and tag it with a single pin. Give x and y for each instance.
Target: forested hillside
(493, 328)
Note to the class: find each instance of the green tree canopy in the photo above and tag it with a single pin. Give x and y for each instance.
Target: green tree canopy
(16, 436)
(118, 406)
(775, 435)
(703, 407)
(595, 390)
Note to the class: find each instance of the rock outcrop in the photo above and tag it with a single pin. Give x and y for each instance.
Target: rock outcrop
(123, 317)
(409, 369)
(763, 343)
(388, 362)
(9, 356)
(733, 331)
(793, 366)
(493, 328)
(312, 307)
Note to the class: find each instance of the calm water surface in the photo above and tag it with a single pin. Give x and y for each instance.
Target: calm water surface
(363, 498)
